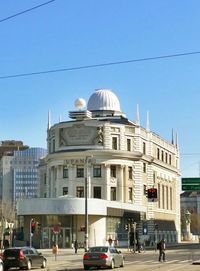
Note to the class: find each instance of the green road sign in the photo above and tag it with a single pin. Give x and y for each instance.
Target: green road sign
(191, 181)
(191, 184)
(191, 187)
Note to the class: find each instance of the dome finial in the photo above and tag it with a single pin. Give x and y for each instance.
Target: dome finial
(147, 122)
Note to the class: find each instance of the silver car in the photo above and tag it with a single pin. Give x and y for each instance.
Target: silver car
(1, 265)
(103, 256)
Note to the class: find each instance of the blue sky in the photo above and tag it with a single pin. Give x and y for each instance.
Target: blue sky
(72, 33)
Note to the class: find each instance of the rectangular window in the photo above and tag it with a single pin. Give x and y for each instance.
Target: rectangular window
(54, 144)
(97, 171)
(80, 172)
(113, 171)
(171, 198)
(167, 197)
(130, 173)
(97, 192)
(170, 159)
(166, 157)
(65, 190)
(144, 168)
(113, 193)
(80, 192)
(130, 193)
(65, 172)
(114, 143)
(163, 196)
(144, 148)
(158, 153)
(162, 155)
(128, 142)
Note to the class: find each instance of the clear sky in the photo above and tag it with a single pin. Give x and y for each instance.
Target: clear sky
(74, 33)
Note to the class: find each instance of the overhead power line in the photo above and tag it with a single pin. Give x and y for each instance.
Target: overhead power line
(99, 65)
(25, 11)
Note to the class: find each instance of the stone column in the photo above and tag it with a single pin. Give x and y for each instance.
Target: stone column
(121, 184)
(107, 182)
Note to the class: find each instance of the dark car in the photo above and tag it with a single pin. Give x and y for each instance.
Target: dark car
(103, 256)
(23, 257)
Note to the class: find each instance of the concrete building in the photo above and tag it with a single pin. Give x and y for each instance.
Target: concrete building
(190, 204)
(117, 160)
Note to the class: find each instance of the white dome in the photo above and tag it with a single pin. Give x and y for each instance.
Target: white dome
(80, 103)
(103, 99)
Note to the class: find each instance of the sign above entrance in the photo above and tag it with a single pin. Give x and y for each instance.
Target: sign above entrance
(89, 160)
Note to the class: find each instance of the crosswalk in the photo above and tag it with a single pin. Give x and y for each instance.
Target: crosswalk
(143, 262)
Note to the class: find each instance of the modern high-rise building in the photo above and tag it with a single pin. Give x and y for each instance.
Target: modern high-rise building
(19, 174)
(96, 179)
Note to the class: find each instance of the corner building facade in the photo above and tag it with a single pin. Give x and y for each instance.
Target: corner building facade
(117, 160)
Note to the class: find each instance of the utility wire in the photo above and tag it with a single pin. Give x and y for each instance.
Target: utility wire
(99, 65)
(25, 11)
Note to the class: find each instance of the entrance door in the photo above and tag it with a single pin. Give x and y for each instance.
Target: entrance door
(62, 238)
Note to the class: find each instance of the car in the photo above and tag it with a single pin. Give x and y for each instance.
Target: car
(103, 256)
(1, 265)
(23, 257)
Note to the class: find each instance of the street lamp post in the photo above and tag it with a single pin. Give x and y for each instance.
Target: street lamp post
(86, 203)
(30, 229)
(86, 206)
(134, 230)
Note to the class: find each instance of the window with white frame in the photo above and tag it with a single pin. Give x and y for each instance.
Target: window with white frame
(128, 143)
(130, 193)
(65, 172)
(80, 192)
(97, 192)
(65, 190)
(97, 171)
(114, 143)
(144, 168)
(130, 173)
(113, 193)
(113, 171)
(79, 171)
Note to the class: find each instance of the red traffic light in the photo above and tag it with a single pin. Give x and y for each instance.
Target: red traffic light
(152, 193)
(33, 227)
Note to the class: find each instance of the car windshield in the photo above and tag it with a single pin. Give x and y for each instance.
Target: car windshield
(98, 249)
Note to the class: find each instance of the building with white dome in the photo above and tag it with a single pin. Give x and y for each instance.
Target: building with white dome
(94, 180)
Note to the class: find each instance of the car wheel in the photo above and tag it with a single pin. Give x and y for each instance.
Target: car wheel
(86, 267)
(122, 263)
(112, 265)
(29, 265)
(44, 263)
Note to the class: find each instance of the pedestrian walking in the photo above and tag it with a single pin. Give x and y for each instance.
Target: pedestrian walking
(55, 250)
(161, 246)
(76, 246)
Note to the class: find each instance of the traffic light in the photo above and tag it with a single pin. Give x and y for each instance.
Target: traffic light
(152, 193)
(33, 227)
(38, 226)
(126, 227)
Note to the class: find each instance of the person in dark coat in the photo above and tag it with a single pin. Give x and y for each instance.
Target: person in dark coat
(161, 247)
(76, 246)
